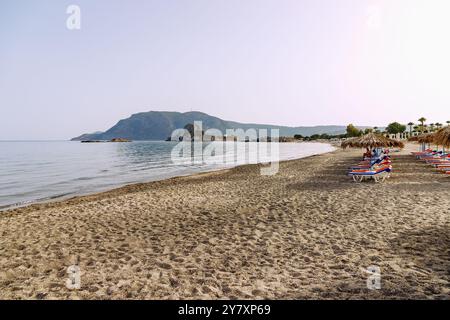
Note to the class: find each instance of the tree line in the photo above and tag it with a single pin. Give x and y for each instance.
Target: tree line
(393, 128)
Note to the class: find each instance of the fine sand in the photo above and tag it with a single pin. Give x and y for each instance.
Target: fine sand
(308, 232)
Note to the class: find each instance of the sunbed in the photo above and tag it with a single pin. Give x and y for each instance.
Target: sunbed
(379, 174)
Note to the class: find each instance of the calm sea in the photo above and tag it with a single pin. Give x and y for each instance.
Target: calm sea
(34, 171)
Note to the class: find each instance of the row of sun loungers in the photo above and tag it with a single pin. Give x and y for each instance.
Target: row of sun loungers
(437, 159)
(376, 168)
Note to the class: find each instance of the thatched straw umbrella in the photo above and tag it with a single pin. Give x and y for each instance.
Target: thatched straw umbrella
(372, 140)
(442, 137)
(424, 139)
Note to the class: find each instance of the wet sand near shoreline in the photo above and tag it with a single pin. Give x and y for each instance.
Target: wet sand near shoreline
(308, 232)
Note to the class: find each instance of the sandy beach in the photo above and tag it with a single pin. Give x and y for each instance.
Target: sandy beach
(308, 232)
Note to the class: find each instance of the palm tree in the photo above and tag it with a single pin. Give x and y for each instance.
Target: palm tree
(410, 124)
(432, 127)
(422, 121)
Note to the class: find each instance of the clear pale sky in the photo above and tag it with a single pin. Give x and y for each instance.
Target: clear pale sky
(287, 62)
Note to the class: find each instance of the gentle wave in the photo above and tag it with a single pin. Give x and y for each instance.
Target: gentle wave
(41, 171)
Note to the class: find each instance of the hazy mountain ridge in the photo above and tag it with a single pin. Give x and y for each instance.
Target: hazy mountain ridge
(158, 125)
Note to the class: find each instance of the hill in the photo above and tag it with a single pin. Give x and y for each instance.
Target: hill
(158, 125)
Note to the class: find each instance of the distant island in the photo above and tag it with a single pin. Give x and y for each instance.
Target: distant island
(112, 140)
(159, 125)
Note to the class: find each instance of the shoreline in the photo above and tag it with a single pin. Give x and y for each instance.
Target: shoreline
(308, 232)
(56, 199)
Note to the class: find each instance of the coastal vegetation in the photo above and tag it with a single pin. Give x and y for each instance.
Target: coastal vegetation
(394, 129)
